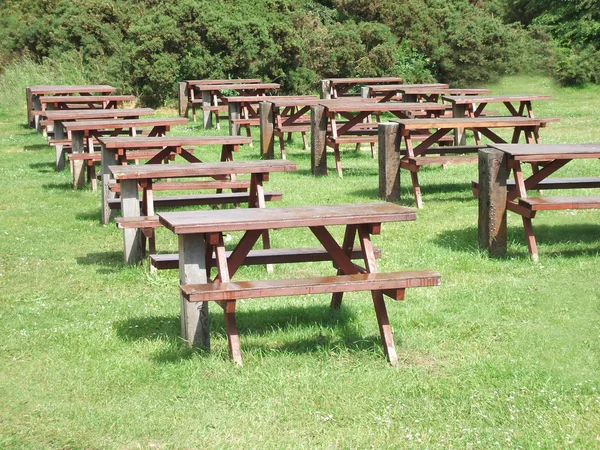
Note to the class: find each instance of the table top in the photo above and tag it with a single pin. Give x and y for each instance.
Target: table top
(382, 106)
(541, 152)
(170, 141)
(397, 87)
(470, 122)
(190, 222)
(365, 80)
(97, 124)
(70, 89)
(151, 171)
(238, 87)
(267, 98)
(462, 99)
(86, 98)
(75, 114)
(223, 81)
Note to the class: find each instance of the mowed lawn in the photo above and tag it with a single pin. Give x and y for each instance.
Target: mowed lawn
(505, 354)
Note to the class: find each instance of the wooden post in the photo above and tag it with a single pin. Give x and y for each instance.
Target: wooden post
(459, 111)
(267, 135)
(109, 158)
(206, 114)
(37, 106)
(29, 101)
(132, 237)
(77, 145)
(492, 201)
(325, 89)
(183, 98)
(59, 133)
(318, 145)
(235, 113)
(389, 161)
(195, 326)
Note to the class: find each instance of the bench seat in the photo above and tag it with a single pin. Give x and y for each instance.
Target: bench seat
(560, 203)
(438, 160)
(552, 183)
(264, 256)
(188, 185)
(391, 284)
(200, 199)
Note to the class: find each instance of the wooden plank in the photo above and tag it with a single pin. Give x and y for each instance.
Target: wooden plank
(267, 135)
(318, 141)
(389, 161)
(560, 203)
(493, 172)
(171, 141)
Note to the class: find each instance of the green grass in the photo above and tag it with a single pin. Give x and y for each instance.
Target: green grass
(503, 355)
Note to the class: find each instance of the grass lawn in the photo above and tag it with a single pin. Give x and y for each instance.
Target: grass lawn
(505, 354)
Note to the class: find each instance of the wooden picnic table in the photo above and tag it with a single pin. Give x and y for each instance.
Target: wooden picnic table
(338, 87)
(138, 220)
(91, 101)
(279, 115)
(359, 126)
(498, 192)
(387, 92)
(34, 93)
(213, 98)
(201, 235)
(517, 105)
(392, 158)
(115, 149)
(60, 116)
(84, 133)
(187, 88)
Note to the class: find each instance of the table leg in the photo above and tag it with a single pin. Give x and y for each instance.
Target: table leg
(59, 133)
(133, 248)
(493, 172)
(206, 114)
(234, 110)
(108, 158)
(318, 145)
(267, 135)
(78, 145)
(195, 325)
(459, 112)
(389, 161)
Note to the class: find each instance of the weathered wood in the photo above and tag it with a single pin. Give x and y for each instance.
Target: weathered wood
(109, 158)
(389, 161)
(267, 135)
(325, 89)
(492, 230)
(59, 134)
(195, 326)
(78, 146)
(133, 245)
(183, 99)
(206, 114)
(560, 203)
(318, 140)
(235, 114)
(29, 100)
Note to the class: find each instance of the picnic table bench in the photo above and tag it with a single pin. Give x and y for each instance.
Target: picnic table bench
(62, 138)
(34, 93)
(413, 157)
(138, 219)
(279, 115)
(332, 88)
(115, 149)
(213, 99)
(497, 193)
(84, 134)
(187, 94)
(358, 128)
(201, 236)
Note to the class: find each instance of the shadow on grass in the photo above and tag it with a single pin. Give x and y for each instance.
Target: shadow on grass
(35, 148)
(90, 215)
(257, 323)
(106, 262)
(59, 186)
(466, 239)
(43, 167)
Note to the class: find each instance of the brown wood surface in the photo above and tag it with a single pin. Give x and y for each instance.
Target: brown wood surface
(559, 203)
(154, 171)
(171, 141)
(397, 87)
(300, 216)
(264, 98)
(342, 106)
(172, 201)
(466, 99)
(77, 114)
(309, 286)
(70, 89)
(544, 152)
(97, 124)
(86, 98)
(475, 122)
(224, 81)
(238, 87)
(364, 80)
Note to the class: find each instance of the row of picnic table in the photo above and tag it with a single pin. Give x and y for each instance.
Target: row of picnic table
(122, 136)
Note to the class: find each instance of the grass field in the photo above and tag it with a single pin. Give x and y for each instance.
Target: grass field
(505, 354)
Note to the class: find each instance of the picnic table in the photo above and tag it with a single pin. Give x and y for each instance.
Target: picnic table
(392, 158)
(387, 92)
(279, 115)
(187, 94)
(338, 87)
(201, 235)
(498, 192)
(34, 93)
(213, 99)
(59, 117)
(158, 148)
(138, 220)
(358, 127)
(84, 133)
